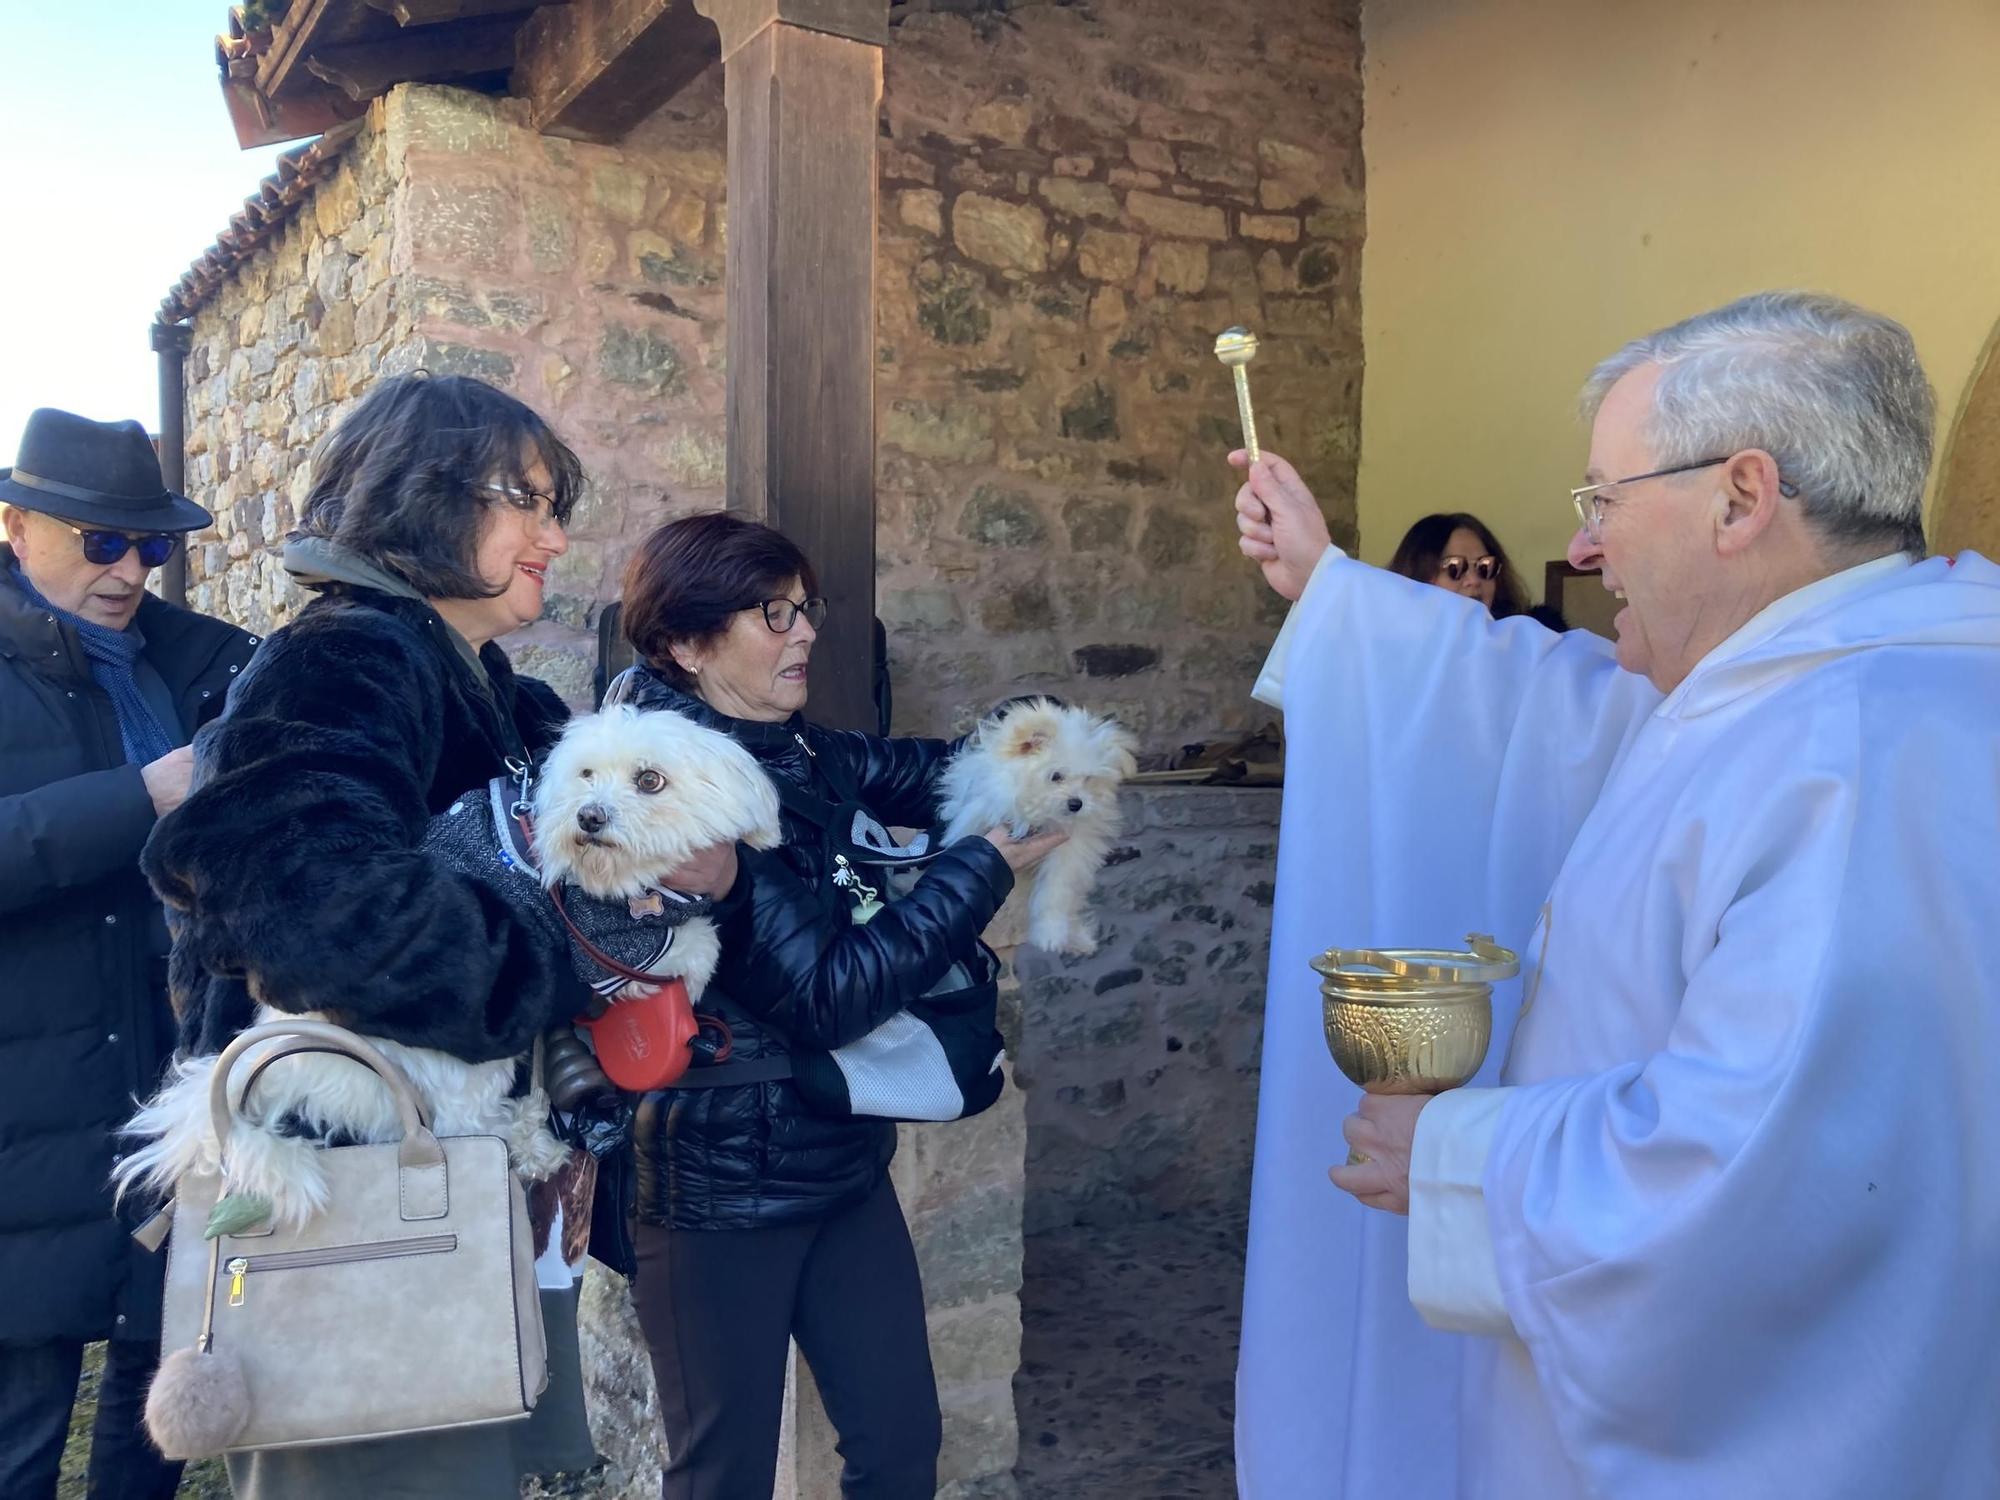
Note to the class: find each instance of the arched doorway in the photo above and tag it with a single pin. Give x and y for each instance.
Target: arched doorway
(1965, 511)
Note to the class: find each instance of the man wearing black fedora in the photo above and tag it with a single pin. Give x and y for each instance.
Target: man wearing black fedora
(102, 684)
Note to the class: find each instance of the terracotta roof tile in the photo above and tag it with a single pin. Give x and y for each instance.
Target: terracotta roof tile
(263, 214)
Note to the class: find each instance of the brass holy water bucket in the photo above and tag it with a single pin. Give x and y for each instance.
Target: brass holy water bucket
(1411, 1020)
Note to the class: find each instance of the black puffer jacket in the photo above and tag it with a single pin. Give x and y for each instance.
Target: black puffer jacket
(84, 1024)
(295, 864)
(796, 971)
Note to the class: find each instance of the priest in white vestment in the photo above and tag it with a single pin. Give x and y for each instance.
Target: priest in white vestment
(1723, 1220)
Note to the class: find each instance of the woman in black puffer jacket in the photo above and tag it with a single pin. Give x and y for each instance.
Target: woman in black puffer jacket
(760, 1221)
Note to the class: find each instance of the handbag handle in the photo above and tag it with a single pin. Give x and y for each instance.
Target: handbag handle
(419, 1150)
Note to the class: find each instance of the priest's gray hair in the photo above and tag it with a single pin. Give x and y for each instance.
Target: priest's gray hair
(1832, 391)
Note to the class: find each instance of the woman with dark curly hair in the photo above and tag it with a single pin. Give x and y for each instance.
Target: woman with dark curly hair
(1459, 552)
(762, 1221)
(294, 873)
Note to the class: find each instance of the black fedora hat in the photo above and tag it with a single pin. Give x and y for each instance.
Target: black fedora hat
(95, 474)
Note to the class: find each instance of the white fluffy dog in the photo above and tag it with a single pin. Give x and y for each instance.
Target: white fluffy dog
(623, 798)
(626, 796)
(1035, 766)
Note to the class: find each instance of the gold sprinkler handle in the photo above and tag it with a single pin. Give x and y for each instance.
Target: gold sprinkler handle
(1243, 412)
(1236, 347)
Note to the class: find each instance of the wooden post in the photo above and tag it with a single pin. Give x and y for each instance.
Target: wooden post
(803, 83)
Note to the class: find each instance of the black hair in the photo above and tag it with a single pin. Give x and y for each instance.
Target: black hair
(398, 480)
(1422, 549)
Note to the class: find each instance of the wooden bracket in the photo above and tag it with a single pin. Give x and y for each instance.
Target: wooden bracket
(740, 20)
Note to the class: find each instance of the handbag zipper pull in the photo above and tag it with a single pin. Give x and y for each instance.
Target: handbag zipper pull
(236, 1268)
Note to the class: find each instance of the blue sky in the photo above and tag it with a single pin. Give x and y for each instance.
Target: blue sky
(117, 169)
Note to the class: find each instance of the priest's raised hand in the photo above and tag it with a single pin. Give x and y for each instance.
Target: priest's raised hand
(1278, 522)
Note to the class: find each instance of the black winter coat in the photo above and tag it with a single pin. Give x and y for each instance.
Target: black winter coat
(84, 1024)
(796, 972)
(294, 868)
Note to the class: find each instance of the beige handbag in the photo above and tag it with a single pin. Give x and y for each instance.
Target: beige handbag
(408, 1305)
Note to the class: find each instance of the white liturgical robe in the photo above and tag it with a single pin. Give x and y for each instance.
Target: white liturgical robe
(1729, 1224)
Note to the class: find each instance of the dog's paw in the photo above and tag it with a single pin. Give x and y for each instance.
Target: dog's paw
(540, 1156)
(1076, 936)
(1082, 940)
(531, 1146)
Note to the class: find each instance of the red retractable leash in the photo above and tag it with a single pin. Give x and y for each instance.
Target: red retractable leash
(644, 1041)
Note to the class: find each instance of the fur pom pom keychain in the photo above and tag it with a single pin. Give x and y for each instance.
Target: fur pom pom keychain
(199, 1401)
(198, 1404)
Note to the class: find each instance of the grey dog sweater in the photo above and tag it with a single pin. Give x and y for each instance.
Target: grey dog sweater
(639, 933)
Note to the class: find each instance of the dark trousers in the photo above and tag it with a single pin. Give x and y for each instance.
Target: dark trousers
(38, 1387)
(719, 1307)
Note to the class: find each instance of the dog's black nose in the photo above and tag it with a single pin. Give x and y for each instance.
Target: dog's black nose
(1076, 804)
(592, 819)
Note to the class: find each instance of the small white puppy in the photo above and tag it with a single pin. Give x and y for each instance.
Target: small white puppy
(623, 799)
(626, 796)
(1035, 766)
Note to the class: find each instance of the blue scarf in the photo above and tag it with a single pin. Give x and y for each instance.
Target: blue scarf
(113, 655)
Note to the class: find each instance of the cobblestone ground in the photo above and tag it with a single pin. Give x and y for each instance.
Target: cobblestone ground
(1128, 1363)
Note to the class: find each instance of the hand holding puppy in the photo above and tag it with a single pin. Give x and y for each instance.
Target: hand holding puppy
(1024, 853)
(706, 872)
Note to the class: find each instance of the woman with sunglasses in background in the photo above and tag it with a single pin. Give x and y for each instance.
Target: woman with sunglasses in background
(436, 509)
(1458, 552)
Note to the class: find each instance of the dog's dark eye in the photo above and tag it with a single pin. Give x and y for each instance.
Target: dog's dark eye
(650, 781)
(1055, 776)
(584, 774)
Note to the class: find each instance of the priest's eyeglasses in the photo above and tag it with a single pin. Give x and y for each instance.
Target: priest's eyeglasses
(1485, 569)
(1590, 499)
(104, 547)
(782, 614)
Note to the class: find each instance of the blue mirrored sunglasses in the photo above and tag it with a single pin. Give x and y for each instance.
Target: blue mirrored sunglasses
(106, 547)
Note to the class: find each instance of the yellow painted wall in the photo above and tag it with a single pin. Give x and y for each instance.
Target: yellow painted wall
(1547, 178)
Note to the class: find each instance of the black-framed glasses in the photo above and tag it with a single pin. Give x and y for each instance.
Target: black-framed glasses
(1589, 498)
(1485, 569)
(106, 547)
(782, 614)
(543, 509)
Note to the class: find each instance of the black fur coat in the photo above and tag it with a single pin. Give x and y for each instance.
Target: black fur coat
(294, 872)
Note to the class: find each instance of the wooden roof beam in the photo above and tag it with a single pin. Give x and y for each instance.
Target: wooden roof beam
(433, 12)
(365, 69)
(592, 69)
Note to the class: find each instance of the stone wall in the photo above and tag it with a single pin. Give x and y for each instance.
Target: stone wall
(585, 279)
(1076, 199)
(296, 334)
(1140, 1062)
